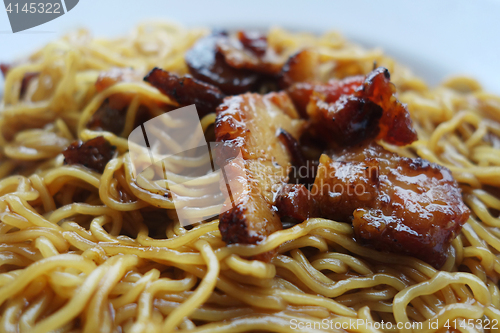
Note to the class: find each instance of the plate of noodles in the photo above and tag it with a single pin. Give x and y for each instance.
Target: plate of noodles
(334, 189)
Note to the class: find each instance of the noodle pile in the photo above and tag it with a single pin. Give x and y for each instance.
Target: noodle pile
(85, 252)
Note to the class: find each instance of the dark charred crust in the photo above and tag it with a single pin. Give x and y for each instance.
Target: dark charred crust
(395, 125)
(355, 110)
(93, 154)
(254, 42)
(293, 148)
(233, 226)
(249, 50)
(355, 121)
(373, 74)
(296, 202)
(387, 74)
(302, 93)
(207, 64)
(186, 90)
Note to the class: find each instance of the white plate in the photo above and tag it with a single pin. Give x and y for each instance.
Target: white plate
(435, 38)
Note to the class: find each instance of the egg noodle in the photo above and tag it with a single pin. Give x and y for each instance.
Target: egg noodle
(87, 252)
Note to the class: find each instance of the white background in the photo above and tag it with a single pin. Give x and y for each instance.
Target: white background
(435, 38)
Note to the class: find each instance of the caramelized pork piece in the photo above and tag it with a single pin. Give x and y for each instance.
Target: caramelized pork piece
(116, 75)
(255, 162)
(207, 64)
(250, 50)
(302, 92)
(301, 67)
(352, 111)
(93, 154)
(110, 116)
(186, 90)
(253, 41)
(296, 202)
(395, 125)
(396, 204)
